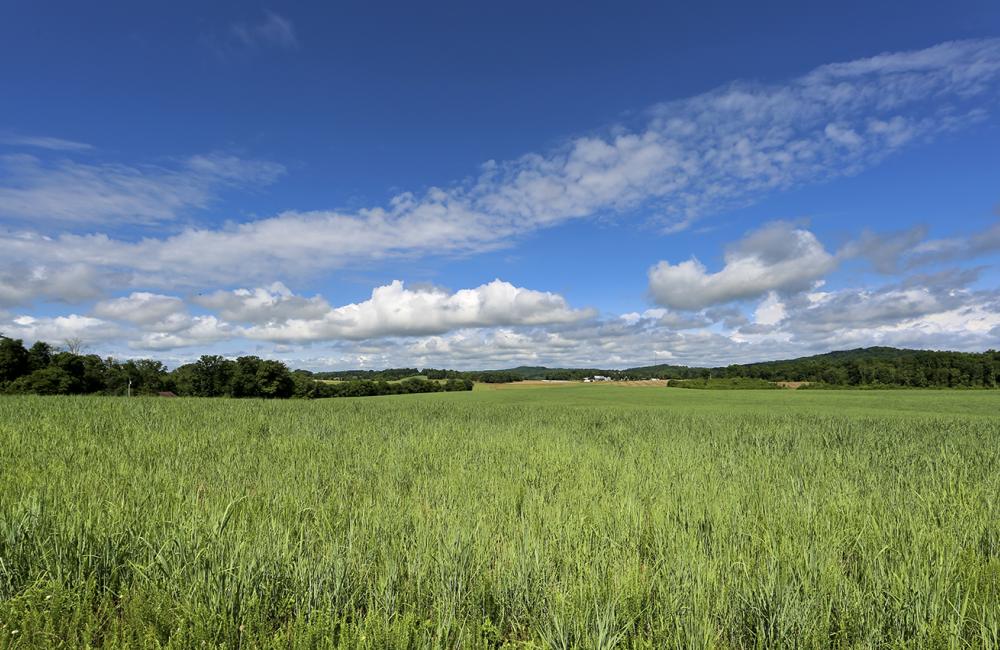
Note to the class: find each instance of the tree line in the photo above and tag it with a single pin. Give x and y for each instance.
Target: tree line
(395, 374)
(864, 367)
(44, 370)
(874, 367)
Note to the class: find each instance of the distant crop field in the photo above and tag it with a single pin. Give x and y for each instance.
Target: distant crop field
(579, 516)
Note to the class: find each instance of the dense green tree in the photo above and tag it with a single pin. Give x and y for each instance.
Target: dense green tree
(51, 380)
(39, 355)
(274, 380)
(13, 359)
(244, 378)
(148, 376)
(184, 381)
(212, 376)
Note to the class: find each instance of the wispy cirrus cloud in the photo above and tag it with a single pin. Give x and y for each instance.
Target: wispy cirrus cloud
(903, 250)
(274, 30)
(688, 158)
(43, 142)
(70, 192)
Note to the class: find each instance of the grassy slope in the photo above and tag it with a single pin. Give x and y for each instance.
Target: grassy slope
(567, 515)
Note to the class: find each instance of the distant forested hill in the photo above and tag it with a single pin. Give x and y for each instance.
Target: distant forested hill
(860, 367)
(881, 365)
(876, 366)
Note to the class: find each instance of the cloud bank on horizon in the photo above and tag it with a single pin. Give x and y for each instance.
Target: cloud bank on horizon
(118, 248)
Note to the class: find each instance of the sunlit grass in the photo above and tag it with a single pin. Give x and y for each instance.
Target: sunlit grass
(577, 517)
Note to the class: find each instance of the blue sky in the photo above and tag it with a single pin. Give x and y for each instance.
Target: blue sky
(373, 184)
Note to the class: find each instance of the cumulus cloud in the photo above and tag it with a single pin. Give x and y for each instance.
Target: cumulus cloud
(937, 311)
(777, 257)
(770, 311)
(904, 316)
(150, 321)
(67, 191)
(185, 332)
(74, 282)
(846, 310)
(141, 308)
(432, 327)
(688, 158)
(61, 328)
(394, 310)
(275, 303)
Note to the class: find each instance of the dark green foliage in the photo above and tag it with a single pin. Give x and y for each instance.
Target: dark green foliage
(39, 355)
(273, 380)
(883, 366)
(13, 359)
(209, 376)
(862, 367)
(52, 380)
(249, 376)
(368, 388)
(148, 376)
(389, 374)
(42, 371)
(494, 376)
(396, 374)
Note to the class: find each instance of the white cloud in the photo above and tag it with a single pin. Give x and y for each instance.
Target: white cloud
(770, 311)
(73, 282)
(844, 135)
(275, 303)
(43, 142)
(71, 192)
(432, 327)
(983, 242)
(61, 328)
(907, 249)
(691, 157)
(394, 310)
(967, 322)
(141, 308)
(274, 30)
(777, 257)
(149, 321)
(193, 331)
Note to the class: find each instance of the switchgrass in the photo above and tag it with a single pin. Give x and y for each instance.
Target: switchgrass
(503, 518)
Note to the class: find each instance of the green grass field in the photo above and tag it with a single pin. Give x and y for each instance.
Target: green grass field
(561, 516)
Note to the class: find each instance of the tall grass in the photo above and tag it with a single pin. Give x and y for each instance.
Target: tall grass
(432, 521)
